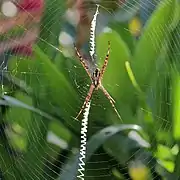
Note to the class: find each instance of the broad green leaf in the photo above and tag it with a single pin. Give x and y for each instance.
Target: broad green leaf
(13, 81)
(113, 146)
(35, 157)
(31, 137)
(24, 119)
(159, 91)
(36, 134)
(176, 17)
(175, 80)
(47, 83)
(169, 165)
(13, 102)
(96, 141)
(176, 104)
(154, 36)
(51, 25)
(115, 78)
(18, 104)
(133, 149)
(164, 153)
(19, 117)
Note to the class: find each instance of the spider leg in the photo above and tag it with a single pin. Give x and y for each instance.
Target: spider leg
(105, 61)
(88, 97)
(85, 66)
(111, 100)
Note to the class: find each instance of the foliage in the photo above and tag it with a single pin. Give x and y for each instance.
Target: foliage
(42, 97)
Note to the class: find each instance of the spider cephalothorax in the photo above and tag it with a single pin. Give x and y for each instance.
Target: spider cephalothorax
(96, 79)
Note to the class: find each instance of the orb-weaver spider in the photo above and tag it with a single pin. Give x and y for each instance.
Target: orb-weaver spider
(96, 79)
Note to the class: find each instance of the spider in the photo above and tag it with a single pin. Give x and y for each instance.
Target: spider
(96, 78)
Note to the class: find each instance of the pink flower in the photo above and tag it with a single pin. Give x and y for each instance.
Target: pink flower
(36, 8)
(31, 5)
(23, 50)
(29, 13)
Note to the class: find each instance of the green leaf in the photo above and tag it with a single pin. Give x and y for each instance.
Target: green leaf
(155, 35)
(20, 109)
(113, 146)
(35, 157)
(175, 80)
(164, 153)
(176, 18)
(31, 137)
(176, 104)
(115, 78)
(18, 83)
(13, 102)
(159, 94)
(96, 141)
(51, 25)
(47, 83)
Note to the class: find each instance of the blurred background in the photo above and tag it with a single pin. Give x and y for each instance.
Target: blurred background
(43, 86)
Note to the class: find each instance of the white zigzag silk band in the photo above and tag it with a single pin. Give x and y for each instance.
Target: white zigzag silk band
(84, 127)
(92, 33)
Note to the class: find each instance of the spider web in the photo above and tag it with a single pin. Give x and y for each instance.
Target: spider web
(164, 125)
(21, 129)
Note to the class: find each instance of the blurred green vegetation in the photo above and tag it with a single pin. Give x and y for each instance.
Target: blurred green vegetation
(42, 98)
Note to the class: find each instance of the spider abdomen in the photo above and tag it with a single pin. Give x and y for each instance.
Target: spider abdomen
(96, 78)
